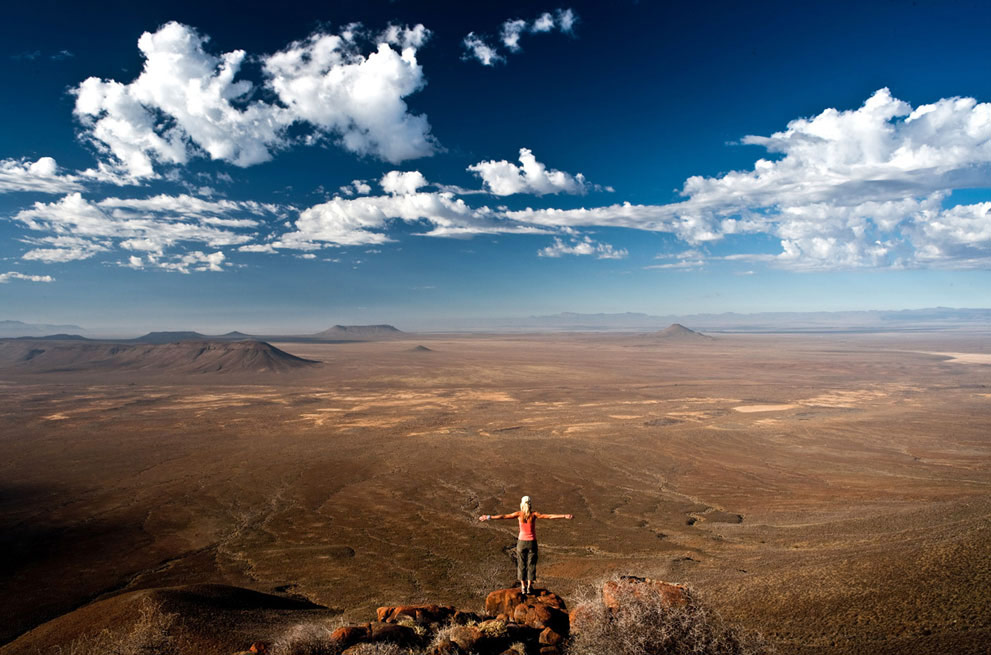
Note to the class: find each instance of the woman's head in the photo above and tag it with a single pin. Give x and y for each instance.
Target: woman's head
(525, 507)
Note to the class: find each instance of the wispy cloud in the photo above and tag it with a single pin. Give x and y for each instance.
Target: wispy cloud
(185, 263)
(75, 228)
(688, 260)
(477, 46)
(14, 275)
(584, 246)
(41, 176)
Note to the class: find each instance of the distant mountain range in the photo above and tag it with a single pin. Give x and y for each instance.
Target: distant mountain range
(908, 320)
(936, 318)
(22, 329)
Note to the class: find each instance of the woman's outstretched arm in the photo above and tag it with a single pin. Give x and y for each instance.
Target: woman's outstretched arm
(553, 516)
(488, 517)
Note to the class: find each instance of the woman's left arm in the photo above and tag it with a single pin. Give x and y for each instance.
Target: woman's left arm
(554, 516)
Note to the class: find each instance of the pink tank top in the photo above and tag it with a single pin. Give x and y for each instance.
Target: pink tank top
(528, 529)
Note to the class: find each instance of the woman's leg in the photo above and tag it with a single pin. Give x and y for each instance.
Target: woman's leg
(521, 565)
(532, 566)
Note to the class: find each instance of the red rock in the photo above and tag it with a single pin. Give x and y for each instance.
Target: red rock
(549, 650)
(502, 601)
(391, 632)
(419, 613)
(348, 635)
(540, 610)
(670, 594)
(548, 637)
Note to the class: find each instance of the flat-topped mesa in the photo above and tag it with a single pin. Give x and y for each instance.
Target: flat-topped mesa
(183, 357)
(359, 332)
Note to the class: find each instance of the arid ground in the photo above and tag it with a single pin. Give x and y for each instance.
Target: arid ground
(829, 491)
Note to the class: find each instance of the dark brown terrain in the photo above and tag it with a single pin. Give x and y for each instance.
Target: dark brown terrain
(829, 491)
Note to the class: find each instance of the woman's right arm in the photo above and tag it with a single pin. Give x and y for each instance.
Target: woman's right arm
(489, 517)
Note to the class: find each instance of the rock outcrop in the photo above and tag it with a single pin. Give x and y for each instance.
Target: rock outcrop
(538, 622)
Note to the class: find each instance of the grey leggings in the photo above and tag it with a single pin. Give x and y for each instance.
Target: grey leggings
(526, 560)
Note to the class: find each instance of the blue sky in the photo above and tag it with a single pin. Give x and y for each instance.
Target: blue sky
(191, 165)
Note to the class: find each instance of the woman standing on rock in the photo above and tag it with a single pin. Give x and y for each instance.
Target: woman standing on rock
(526, 546)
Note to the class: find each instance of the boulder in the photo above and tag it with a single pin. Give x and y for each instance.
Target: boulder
(549, 638)
(419, 613)
(349, 635)
(542, 609)
(393, 633)
(463, 617)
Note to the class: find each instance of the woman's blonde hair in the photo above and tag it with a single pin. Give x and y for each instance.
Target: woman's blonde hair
(525, 508)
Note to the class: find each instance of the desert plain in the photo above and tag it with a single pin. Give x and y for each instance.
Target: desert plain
(830, 491)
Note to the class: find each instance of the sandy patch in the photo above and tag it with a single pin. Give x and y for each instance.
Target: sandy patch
(625, 417)
(965, 358)
(749, 409)
(56, 417)
(696, 416)
(582, 427)
(844, 399)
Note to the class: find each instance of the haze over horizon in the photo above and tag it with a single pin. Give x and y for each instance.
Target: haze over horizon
(191, 167)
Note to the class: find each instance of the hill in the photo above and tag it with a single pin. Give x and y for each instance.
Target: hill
(678, 332)
(206, 618)
(359, 332)
(41, 356)
(215, 619)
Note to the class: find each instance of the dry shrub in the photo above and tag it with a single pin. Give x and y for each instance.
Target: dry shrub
(305, 639)
(153, 633)
(378, 649)
(644, 625)
(442, 635)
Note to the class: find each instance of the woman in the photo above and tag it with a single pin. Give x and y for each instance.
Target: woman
(526, 546)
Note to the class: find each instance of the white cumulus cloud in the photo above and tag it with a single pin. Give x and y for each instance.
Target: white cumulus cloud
(401, 183)
(865, 187)
(504, 178)
(357, 187)
(187, 102)
(327, 82)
